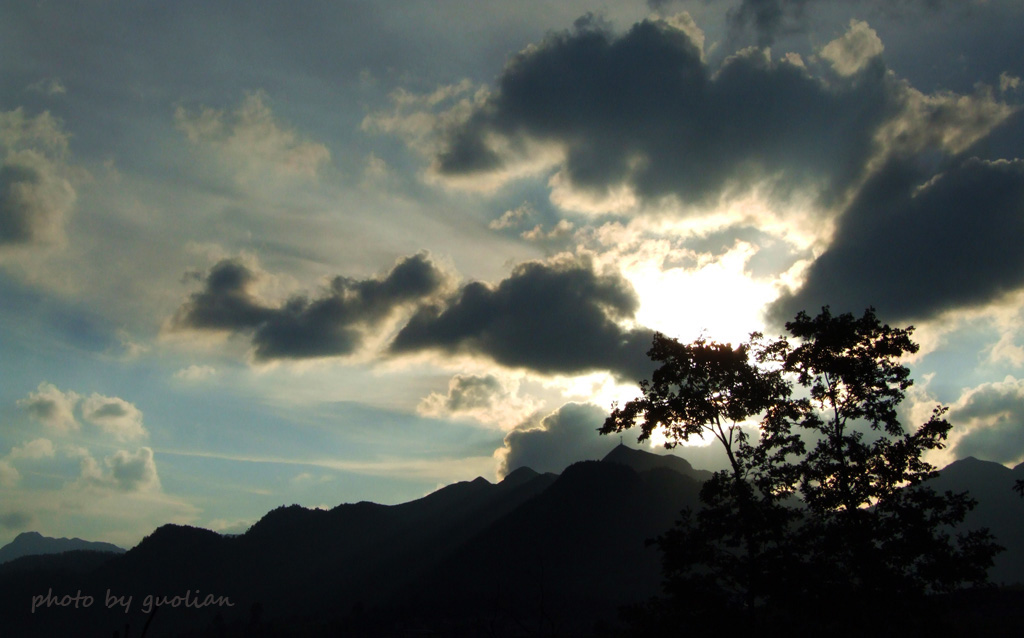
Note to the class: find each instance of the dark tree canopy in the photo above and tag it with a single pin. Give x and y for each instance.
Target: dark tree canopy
(823, 509)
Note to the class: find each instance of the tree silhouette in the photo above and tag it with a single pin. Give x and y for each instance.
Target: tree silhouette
(825, 508)
(724, 551)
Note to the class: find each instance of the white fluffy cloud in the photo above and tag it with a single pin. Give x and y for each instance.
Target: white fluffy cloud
(53, 408)
(123, 471)
(35, 194)
(114, 416)
(487, 399)
(35, 449)
(30, 450)
(854, 50)
(551, 444)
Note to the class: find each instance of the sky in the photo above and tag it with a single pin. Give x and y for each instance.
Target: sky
(260, 253)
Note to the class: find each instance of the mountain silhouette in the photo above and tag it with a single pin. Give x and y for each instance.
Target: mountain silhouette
(34, 543)
(641, 461)
(563, 561)
(999, 508)
(532, 554)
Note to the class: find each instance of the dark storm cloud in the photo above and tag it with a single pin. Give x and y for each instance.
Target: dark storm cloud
(330, 325)
(552, 318)
(33, 203)
(226, 301)
(913, 246)
(643, 109)
(767, 18)
(999, 407)
(16, 218)
(560, 439)
(660, 5)
(770, 19)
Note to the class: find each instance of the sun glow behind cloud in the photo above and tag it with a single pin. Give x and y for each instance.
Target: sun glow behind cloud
(717, 299)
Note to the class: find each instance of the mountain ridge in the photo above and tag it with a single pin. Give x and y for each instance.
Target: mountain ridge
(34, 544)
(552, 553)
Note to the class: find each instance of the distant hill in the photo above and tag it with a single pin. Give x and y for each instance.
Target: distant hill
(535, 553)
(34, 543)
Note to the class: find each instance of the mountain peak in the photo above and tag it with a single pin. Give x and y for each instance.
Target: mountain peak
(974, 465)
(642, 461)
(32, 543)
(519, 476)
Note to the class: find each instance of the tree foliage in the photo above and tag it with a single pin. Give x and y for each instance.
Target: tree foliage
(823, 505)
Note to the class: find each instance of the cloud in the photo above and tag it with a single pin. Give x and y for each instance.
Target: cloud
(195, 373)
(42, 133)
(333, 324)
(991, 420)
(560, 439)
(467, 392)
(48, 86)
(15, 520)
(555, 318)
(56, 411)
(630, 122)
(9, 475)
(252, 139)
(852, 52)
(513, 218)
(487, 399)
(562, 229)
(770, 19)
(31, 450)
(134, 472)
(35, 196)
(227, 301)
(51, 407)
(123, 471)
(33, 202)
(114, 416)
(643, 115)
(1008, 82)
(940, 124)
(413, 119)
(35, 449)
(913, 245)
